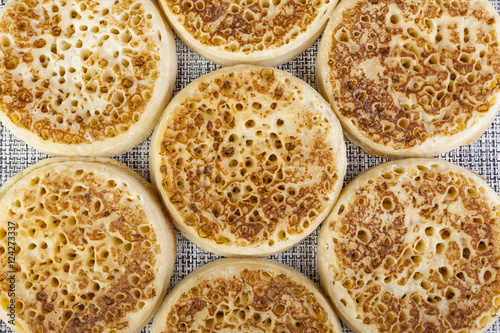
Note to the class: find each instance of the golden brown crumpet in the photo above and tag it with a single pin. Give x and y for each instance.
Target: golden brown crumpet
(259, 32)
(413, 246)
(246, 295)
(94, 251)
(249, 160)
(87, 78)
(412, 78)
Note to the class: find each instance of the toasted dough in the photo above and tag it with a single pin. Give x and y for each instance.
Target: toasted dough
(412, 78)
(249, 160)
(414, 246)
(94, 250)
(246, 295)
(86, 78)
(258, 32)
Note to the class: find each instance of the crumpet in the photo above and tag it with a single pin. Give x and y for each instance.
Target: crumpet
(94, 251)
(86, 78)
(249, 160)
(412, 78)
(414, 246)
(259, 32)
(246, 295)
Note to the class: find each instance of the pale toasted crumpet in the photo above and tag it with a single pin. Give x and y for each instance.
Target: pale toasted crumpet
(84, 247)
(414, 246)
(249, 160)
(412, 78)
(259, 32)
(86, 78)
(246, 295)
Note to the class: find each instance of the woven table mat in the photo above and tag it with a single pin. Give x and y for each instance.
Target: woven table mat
(482, 157)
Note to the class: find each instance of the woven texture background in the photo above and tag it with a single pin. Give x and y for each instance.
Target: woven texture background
(483, 157)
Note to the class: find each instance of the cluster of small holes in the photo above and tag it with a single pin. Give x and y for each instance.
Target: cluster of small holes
(261, 299)
(424, 76)
(256, 158)
(82, 95)
(373, 247)
(247, 26)
(59, 229)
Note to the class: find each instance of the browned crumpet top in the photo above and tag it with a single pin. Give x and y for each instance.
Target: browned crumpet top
(86, 253)
(246, 300)
(402, 73)
(249, 157)
(246, 26)
(414, 247)
(259, 32)
(77, 71)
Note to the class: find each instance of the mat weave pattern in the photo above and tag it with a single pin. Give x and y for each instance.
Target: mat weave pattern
(482, 157)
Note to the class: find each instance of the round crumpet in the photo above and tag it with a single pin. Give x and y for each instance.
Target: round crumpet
(249, 160)
(86, 78)
(414, 246)
(412, 78)
(245, 295)
(84, 247)
(259, 32)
